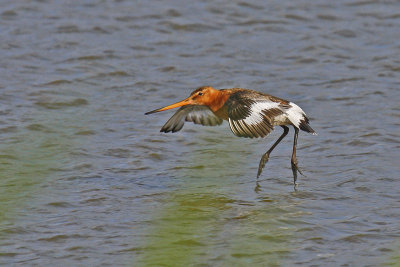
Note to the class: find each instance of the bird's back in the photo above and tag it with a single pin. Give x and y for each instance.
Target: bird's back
(254, 114)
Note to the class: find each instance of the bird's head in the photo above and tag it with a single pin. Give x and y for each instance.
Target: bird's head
(201, 96)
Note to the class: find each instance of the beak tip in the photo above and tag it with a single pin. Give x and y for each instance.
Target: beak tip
(151, 112)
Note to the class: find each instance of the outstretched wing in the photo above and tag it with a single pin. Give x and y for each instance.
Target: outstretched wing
(194, 113)
(251, 114)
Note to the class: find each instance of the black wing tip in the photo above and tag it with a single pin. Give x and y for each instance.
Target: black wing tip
(306, 127)
(169, 131)
(166, 130)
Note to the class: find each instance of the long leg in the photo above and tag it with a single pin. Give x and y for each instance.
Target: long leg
(265, 157)
(295, 168)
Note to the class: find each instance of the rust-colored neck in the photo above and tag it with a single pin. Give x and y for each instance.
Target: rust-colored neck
(218, 99)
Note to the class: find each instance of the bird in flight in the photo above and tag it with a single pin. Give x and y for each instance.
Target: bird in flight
(249, 113)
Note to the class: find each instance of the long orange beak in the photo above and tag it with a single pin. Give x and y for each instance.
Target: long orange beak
(185, 102)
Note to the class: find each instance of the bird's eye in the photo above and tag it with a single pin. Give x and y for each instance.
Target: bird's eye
(200, 93)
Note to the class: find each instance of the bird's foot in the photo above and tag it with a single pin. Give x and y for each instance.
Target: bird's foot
(263, 161)
(257, 189)
(295, 169)
(295, 186)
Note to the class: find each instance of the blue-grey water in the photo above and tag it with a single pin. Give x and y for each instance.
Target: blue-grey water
(86, 179)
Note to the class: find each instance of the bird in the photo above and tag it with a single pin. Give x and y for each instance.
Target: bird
(250, 114)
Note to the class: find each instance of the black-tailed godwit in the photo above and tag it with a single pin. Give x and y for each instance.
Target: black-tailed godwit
(249, 113)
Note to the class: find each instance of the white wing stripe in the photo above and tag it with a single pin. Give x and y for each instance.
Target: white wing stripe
(295, 114)
(256, 111)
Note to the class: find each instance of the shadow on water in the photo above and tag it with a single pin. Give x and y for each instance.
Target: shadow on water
(215, 217)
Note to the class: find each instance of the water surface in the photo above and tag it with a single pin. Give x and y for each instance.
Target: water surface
(87, 179)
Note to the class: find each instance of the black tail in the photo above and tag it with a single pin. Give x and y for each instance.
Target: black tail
(305, 126)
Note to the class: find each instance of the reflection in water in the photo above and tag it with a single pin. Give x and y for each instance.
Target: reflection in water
(184, 229)
(205, 213)
(192, 224)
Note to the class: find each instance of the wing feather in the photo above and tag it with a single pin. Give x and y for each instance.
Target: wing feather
(192, 113)
(252, 114)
